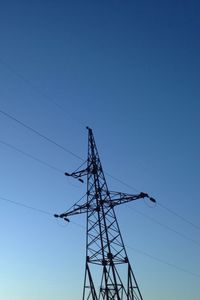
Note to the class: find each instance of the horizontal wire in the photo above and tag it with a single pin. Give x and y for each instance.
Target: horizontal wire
(39, 210)
(83, 227)
(135, 210)
(158, 203)
(150, 256)
(49, 98)
(164, 225)
(154, 257)
(39, 91)
(80, 158)
(120, 181)
(31, 156)
(179, 216)
(39, 134)
(26, 206)
(163, 261)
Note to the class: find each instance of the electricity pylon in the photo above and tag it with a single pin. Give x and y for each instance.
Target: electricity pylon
(108, 273)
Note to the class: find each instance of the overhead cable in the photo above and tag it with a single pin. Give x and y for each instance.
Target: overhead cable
(164, 225)
(39, 134)
(80, 158)
(81, 226)
(26, 206)
(39, 90)
(178, 215)
(31, 156)
(163, 261)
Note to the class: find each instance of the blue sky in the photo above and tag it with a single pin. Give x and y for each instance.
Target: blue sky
(130, 70)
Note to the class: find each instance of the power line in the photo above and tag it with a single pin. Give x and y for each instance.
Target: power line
(163, 261)
(122, 182)
(39, 91)
(55, 143)
(151, 256)
(157, 203)
(80, 158)
(125, 184)
(26, 206)
(49, 98)
(38, 210)
(44, 163)
(39, 134)
(160, 260)
(62, 172)
(31, 156)
(165, 226)
(179, 216)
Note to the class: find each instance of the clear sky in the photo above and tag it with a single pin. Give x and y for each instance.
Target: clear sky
(130, 70)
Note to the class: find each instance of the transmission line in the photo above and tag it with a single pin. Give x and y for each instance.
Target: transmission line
(178, 215)
(163, 261)
(26, 206)
(39, 91)
(157, 203)
(164, 225)
(38, 210)
(80, 158)
(39, 134)
(50, 99)
(31, 156)
(62, 172)
(160, 260)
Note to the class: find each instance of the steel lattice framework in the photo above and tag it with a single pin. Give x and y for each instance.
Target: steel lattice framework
(108, 273)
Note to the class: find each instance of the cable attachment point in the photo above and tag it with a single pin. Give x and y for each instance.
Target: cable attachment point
(66, 219)
(60, 216)
(152, 199)
(74, 176)
(143, 195)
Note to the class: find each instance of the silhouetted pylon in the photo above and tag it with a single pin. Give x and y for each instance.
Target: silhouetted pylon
(108, 273)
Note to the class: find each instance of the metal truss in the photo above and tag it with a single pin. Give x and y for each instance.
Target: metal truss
(108, 273)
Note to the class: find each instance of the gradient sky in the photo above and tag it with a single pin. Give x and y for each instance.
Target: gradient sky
(130, 70)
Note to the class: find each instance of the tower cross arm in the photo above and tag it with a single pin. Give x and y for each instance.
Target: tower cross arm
(118, 198)
(75, 210)
(78, 174)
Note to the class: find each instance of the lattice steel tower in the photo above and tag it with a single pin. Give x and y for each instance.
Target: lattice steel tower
(108, 273)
